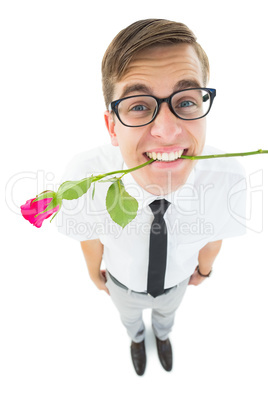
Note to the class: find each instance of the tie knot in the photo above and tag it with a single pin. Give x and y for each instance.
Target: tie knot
(159, 207)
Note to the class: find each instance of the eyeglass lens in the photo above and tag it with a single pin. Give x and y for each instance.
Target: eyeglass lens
(140, 110)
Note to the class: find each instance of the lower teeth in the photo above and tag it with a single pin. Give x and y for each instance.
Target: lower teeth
(161, 160)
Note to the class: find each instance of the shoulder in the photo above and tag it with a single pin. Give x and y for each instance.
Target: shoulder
(94, 161)
(221, 176)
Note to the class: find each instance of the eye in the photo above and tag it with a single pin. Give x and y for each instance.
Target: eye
(186, 104)
(138, 108)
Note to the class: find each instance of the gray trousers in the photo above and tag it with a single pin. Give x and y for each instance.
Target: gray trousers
(131, 304)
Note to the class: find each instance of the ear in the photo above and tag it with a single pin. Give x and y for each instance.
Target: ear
(110, 124)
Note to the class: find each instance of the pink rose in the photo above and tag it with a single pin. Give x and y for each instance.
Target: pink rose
(31, 211)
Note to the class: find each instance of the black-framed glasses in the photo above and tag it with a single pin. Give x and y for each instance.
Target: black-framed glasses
(140, 110)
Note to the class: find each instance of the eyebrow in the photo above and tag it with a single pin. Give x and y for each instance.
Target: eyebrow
(136, 88)
(183, 84)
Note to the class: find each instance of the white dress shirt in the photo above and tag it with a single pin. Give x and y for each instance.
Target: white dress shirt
(210, 206)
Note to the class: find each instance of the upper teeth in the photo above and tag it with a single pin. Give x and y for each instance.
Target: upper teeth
(172, 156)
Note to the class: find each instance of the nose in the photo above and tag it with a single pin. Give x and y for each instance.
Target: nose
(166, 125)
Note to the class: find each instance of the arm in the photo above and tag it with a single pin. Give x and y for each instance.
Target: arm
(93, 250)
(206, 257)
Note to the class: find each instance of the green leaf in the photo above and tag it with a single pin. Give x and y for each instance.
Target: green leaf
(121, 206)
(93, 191)
(71, 190)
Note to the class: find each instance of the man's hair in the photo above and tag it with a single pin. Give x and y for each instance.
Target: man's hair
(141, 35)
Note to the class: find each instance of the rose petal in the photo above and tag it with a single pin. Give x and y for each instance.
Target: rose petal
(31, 210)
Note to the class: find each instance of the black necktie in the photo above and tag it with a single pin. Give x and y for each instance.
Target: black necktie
(158, 249)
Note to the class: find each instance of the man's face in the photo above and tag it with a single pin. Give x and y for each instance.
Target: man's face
(160, 71)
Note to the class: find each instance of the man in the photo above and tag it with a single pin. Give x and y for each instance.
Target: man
(154, 82)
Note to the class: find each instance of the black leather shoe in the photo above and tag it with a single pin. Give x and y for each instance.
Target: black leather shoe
(164, 353)
(138, 357)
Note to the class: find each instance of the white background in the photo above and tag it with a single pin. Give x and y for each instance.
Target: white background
(61, 339)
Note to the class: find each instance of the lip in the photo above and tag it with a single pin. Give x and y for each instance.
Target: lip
(166, 165)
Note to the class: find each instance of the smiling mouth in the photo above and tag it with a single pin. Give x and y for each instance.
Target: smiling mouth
(166, 156)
